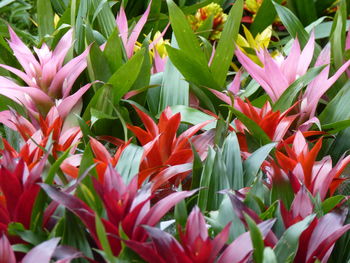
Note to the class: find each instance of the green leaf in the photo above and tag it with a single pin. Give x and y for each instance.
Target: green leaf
(306, 11)
(105, 18)
(102, 237)
(287, 246)
(74, 234)
(122, 80)
(337, 39)
(174, 89)
(203, 195)
(331, 203)
(45, 18)
(129, 162)
(287, 98)
(193, 70)
(269, 256)
(252, 126)
(97, 63)
(233, 161)
(257, 240)
(193, 116)
(226, 46)
(184, 34)
(264, 17)
(197, 169)
(254, 161)
(292, 23)
(338, 109)
(219, 219)
(336, 127)
(114, 51)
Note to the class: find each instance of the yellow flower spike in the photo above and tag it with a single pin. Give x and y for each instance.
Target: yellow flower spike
(56, 19)
(260, 41)
(212, 10)
(253, 5)
(160, 46)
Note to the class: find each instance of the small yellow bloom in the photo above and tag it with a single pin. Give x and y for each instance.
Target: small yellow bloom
(253, 5)
(160, 45)
(212, 10)
(260, 41)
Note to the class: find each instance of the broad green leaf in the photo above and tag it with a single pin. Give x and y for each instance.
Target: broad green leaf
(193, 70)
(105, 18)
(331, 203)
(292, 23)
(337, 39)
(184, 34)
(226, 46)
(287, 246)
(79, 12)
(336, 127)
(97, 63)
(254, 161)
(287, 98)
(129, 162)
(45, 18)
(233, 161)
(197, 169)
(338, 109)
(102, 237)
(114, 51)
(174, 89)
(217, 182)
(269, 256)
(193, 116)
(122, 80)
(257, 240)
(252, 126)
(219, 219)
(306, 11)
(264, 17)
(153, 94)
(203, 194)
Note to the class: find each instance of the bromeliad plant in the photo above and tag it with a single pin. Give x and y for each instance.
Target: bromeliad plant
(209, 147)
(48, 82)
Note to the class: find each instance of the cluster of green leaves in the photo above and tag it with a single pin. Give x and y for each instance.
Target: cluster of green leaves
(229, 183)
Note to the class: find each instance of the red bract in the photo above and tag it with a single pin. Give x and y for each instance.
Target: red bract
(196, 247)
(196, 241)
(300, 164)
(42, 253)
(36, 137)
(162, 147)
(274, 124)
(317, 241)
(126, 207)
(301, 207)
(18, 191)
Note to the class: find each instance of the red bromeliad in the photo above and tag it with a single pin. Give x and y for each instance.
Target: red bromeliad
(37, 137)
(300, 165)
(18, 190)
(162, 147)
(127, 207)
(195, 244)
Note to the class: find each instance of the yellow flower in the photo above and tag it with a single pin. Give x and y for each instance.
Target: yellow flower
(260, 41)
(253, 5)
(160, 45)
(199, 20)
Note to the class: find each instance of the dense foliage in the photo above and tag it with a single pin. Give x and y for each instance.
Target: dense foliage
(174, 131)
